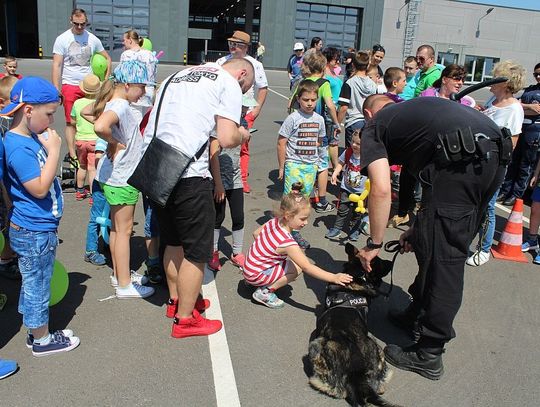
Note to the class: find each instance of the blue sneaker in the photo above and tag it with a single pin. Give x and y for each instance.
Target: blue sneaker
(333, 234)
(265, 297)
(530, 244)
(30, 338)
(59, 343)
(303, 243)
(96, 258)
(537, 259)
(7, 367)
(353, 237)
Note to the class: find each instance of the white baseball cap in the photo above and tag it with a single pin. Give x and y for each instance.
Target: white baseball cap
(298, 46)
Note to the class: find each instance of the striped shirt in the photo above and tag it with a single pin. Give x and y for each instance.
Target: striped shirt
(263, 256)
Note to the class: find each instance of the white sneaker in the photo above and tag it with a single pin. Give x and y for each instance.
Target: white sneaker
(135, 278)
(134, 290)
(478, 258)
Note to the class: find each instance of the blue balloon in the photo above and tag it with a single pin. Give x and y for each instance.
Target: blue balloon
(104, 222)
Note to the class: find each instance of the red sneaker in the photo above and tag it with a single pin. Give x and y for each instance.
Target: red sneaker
(201, 305)
(194, 326)
(214, 264)
(79, 196)
(238, 260)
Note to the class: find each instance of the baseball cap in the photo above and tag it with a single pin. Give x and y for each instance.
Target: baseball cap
(298, 47)
(30, 90)
(131, 71)
(240, 36)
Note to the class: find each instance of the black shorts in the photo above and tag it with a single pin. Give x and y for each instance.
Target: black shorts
(188, 218)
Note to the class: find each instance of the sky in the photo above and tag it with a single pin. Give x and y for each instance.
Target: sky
(524, 4)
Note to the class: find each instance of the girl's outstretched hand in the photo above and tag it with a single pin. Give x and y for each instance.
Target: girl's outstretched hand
(342, 279)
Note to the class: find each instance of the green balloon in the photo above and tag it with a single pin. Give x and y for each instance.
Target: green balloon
(59, 283)
(147, 44)
(2, 241)
(99, 66)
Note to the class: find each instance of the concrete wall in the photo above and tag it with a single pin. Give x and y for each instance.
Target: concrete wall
(169, 28)
(53, 19)
(278, 22)
(505, 33)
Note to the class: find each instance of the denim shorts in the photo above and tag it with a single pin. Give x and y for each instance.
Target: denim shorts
(36, 251)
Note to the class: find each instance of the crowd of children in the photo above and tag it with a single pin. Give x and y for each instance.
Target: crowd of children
(109, 146)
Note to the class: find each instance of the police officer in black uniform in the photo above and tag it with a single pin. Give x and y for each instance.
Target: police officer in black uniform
(459, 155)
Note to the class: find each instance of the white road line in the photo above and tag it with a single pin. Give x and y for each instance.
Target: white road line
(505, 209)
(279, 94)
(222, 369)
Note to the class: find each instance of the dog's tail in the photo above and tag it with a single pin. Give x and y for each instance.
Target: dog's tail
(362, 394)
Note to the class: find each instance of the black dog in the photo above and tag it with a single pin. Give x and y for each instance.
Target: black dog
(347, 363)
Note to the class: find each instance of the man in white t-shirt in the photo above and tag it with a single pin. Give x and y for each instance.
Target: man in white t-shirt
(186, 223)
(72, 52)
(238, 46)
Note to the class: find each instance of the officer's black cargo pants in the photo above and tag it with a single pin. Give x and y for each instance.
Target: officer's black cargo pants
(454, 199)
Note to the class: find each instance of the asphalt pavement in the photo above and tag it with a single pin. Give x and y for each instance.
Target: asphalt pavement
(127, 356)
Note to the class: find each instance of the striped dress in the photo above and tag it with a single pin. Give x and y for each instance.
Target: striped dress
(264, 265)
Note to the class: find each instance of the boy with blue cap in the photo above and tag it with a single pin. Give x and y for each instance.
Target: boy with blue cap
(32, 151)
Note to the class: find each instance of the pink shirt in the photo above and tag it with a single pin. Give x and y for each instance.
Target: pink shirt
(465, 100)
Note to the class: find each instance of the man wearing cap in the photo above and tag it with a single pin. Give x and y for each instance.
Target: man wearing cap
(238, 46)
(72, 52)
(295, 62)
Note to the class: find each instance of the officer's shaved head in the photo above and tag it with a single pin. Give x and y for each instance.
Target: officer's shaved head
(242, 70)
(374, 103)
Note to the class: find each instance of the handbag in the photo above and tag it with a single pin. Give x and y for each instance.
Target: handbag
(161, 165)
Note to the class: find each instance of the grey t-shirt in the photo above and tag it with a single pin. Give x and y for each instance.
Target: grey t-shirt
(353, 94)
(303, 132)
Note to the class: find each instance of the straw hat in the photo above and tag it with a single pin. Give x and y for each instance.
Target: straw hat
(90, 84)
(240, 36)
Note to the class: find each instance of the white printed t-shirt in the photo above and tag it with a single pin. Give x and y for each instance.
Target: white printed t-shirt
(187, 117)
(510, 116)
(260, 76)
(77, 51)
(127, 133)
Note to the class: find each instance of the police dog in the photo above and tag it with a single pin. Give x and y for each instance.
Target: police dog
(347, 363)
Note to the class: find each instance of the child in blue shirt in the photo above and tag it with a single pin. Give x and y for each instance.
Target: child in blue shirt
(32, 151)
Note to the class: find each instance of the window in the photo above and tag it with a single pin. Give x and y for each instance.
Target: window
(109, 20)
(479, 68)
(447, 58)
(337, 26)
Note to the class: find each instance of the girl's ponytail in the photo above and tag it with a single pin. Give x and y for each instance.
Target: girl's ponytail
(104, 95)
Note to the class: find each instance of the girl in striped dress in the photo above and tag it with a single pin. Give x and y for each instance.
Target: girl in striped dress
(275, 259)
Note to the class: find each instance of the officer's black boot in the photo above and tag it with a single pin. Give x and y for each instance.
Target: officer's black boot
(427, 362)
(407, 320)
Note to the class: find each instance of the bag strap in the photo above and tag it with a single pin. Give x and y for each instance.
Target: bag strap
(203, 147)
(161, 100)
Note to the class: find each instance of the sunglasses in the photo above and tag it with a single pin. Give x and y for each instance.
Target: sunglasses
(80, 25)
(536, 74)
(458, 78)
(234, 44)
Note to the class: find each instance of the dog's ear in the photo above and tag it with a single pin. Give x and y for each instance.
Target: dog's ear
(350, 250)
(381, 267)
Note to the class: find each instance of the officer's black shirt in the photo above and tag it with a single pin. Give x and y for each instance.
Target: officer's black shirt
(406, 133)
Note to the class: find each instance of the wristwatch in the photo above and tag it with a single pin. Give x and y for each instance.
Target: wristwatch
(371, 245)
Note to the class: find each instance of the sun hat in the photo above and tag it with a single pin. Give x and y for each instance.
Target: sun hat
(240, 36)
(298, 47)
(131, 71)
(31, 90)
(90, 84)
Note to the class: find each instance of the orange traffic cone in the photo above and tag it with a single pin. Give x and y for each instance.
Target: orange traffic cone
(509, 247)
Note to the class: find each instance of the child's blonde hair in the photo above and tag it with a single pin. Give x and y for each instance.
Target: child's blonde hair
(9, 58)
(293, 202)
(6, 84)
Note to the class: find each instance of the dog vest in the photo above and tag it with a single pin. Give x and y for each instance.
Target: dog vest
(346, 299)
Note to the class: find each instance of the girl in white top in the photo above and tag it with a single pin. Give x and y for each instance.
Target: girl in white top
(506, 111)
(116, 124)
(133, 43)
